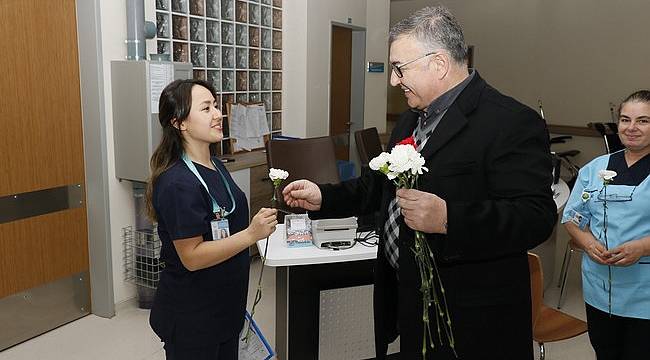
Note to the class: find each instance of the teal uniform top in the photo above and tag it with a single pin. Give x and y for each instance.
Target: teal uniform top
(628, 218)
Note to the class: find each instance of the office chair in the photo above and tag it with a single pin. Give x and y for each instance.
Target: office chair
(313, 159)
(548, 324)
(564, 269)
(368, 144)
(368, 147)
(609, 132)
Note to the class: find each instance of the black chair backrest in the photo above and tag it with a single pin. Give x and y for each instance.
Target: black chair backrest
(312, 159)
(368, 144)
(609, 132)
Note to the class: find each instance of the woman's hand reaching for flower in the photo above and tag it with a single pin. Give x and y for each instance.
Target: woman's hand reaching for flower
(303, 194)
(263, 223)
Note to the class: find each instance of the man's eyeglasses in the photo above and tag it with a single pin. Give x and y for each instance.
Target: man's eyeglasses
(614, 197)
(398, 68)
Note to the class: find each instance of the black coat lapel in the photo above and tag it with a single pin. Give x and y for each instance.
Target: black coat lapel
(404, 128)
(454, 119)
(450, 124)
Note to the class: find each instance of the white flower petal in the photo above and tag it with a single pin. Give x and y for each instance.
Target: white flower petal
(606, 175)
(277, 174)
(379, 161)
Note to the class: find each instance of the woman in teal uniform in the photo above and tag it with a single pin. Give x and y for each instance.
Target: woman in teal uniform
(199, 307)
(611, 223)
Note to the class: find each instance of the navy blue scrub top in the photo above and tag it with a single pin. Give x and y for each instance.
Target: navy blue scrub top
(632, 175)
(198, 308)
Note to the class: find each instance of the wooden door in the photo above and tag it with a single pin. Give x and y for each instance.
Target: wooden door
(341, 61)
(43, 229)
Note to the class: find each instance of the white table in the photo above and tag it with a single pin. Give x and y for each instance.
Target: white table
(302, 276)
(281, 255)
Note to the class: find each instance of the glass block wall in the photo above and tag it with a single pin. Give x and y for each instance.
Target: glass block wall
(234, 44)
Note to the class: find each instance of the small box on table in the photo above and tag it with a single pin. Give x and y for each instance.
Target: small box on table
(298, 230)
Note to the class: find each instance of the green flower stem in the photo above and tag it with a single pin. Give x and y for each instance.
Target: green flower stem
(609, 267)
(258, 293)
(433, 292)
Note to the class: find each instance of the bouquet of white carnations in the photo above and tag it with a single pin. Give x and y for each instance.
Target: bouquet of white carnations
(403, 165)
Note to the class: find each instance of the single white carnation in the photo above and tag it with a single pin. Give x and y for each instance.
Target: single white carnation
(417, 165)
(379, 161)
(404, 158)
(277, 174)
(402, 161)
(401, 158)
(606, 175)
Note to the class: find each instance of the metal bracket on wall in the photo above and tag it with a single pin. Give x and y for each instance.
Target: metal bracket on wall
(41, 202)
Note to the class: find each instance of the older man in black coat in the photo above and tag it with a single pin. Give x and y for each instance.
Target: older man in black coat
(485, 201)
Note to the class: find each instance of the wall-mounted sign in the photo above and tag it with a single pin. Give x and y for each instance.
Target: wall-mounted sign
(376, 67)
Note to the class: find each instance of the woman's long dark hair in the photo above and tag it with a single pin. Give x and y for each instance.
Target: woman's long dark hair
(174, 107)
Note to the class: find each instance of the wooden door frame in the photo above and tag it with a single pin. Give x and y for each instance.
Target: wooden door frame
(340, 90)
(357, 84)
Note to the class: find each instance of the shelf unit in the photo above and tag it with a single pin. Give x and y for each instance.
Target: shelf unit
(236, 45)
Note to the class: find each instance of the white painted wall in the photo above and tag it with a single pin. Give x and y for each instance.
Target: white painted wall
(122, 213)
(320, 16)
(294, 68)
(307, 43)
(576, 56)
(376, 97)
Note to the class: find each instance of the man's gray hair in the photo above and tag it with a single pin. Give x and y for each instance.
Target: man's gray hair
(435, 27)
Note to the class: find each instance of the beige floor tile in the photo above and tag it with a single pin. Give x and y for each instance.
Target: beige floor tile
(127, 336)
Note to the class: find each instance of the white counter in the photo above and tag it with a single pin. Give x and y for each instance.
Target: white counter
(281, 255)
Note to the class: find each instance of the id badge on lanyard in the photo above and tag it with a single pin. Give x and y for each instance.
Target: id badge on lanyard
(220, 227)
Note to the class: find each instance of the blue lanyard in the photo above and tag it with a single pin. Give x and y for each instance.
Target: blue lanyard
(215, 207)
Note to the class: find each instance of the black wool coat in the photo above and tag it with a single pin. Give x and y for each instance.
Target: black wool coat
(489, 159)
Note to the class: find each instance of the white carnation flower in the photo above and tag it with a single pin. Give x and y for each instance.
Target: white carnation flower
(417, 165)
(404, 158)
(277, 174)
(606, 175)
(401, 158)
(379, 161)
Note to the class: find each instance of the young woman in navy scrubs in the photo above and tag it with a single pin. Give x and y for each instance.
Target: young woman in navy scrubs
(201, 298)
